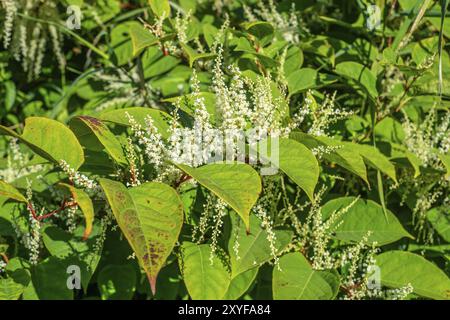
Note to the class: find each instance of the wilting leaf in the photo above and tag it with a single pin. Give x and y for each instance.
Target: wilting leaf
(85, 204)
(150, 216)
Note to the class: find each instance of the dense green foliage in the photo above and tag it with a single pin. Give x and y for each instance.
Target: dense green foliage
(109, 130)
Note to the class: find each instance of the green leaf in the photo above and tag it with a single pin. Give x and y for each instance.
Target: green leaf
(296, 280)
(298, 162)
(10, 290)
(374, 158)
(361, 74)
(440, 220)
(86, 206)
(98, 133)
(362, 217)
(343, 156)
(86, 252)
(445, 158)
(203, 280)
(117, 282)
(254, 248)
(160, 7)
(262, 30)
(8, 191)
(301, 80)
(240, 284)
(161, 119)
(194, 56)
(238, 184)
(63, 144)
(50, 279)
(141, 38)
(151, 217)
(400, 268)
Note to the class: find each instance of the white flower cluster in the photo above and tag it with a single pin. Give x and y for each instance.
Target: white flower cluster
(197, 145)
(316, 233)
(150, 139)
(321, 150)
(32, 240)
(27, 39)
(2, 266)
(8, 24)
(133, 161)
(17, 163)
(79, 179)
(181, 25)
(220, 211)
(400, 293)
(357, 264)
(70, 218)
(322, 115)
(267, 225)
(289, 25)
(430, 135)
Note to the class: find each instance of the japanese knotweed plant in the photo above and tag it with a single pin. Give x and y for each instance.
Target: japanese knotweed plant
(224, 150)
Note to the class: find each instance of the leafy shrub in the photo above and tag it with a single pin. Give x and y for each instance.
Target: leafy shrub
(224, 150)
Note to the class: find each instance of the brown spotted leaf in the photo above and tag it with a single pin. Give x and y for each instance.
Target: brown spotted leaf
(151, 217)
(95, 135)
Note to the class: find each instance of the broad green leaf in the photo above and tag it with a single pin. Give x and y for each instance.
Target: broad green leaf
(8, 191)
(240, 284)
(445, 158)
(332, 277)
(63, 144)
(203, 280)
(151, 217)
(86, 206)
(98, 133)
(342, 155)
(301, 80)
(399, 268)
(50, 279)
(296, 280)
(415, 162)
(117, 282)
(160, 8)
(10, 290)
(64, 245)
(440, 221)
(254, 248)
(298, 162)
(161, 120)
(363, 217)
(194, 56)
(141, 38)
(361, 74)
(374, 158)
(238, 184)
(262, 30)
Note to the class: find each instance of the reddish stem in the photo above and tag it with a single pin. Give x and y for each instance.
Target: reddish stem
(64, 205)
